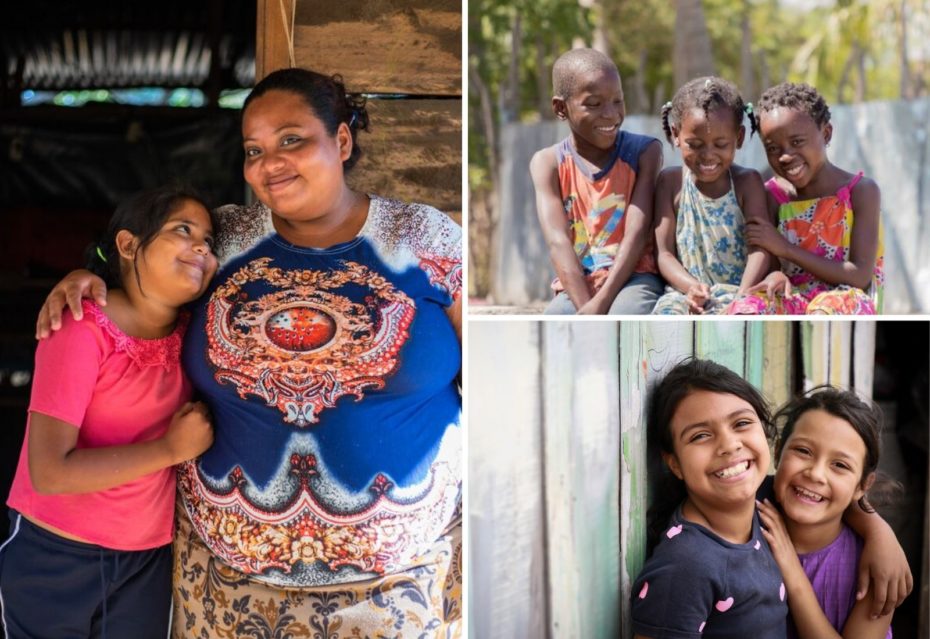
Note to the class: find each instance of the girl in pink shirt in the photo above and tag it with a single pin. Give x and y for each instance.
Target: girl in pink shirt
(109, 417)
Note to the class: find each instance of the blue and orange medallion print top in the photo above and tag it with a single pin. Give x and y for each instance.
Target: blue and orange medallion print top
(595, 202)
(331, 377)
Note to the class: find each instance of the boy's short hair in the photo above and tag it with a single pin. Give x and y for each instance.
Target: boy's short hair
(571, 64)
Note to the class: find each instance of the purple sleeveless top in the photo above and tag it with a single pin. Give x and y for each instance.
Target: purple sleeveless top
(832, 573)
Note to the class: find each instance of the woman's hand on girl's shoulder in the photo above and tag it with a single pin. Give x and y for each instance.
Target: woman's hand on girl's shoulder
(69, 292)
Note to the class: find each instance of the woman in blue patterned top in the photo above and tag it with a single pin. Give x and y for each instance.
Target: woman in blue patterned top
(328, 348)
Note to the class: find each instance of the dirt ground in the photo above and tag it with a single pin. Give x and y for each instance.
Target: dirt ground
(478, 306)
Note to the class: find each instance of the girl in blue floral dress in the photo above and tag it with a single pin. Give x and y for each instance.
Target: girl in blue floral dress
(701, 207)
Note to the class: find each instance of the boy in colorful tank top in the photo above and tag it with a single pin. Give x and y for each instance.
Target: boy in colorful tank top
(594, 195)
(829, 230)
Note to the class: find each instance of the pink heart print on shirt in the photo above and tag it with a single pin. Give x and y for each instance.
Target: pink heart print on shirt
(781, 591)
(674, 530)
(642, 593)
(758, 545)
(724, 605)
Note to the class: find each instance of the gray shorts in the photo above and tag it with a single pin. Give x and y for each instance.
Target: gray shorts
(637, 297)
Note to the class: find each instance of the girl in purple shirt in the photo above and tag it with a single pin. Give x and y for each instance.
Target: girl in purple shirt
(827, 456)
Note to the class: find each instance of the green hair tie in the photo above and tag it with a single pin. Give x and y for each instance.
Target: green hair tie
(749, 108)
(667, 105)
(101, 255)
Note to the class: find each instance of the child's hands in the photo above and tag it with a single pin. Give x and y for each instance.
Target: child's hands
(883, 561)
(776, 534)
(190, 432)
(761, 233)
(594, 306)
(697, 296)
(775, 283)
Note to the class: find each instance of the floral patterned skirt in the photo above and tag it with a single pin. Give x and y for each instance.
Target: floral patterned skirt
(842, 300)
(213, 600)
(674, 302)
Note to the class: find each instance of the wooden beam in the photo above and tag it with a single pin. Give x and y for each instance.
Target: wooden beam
(272, 24)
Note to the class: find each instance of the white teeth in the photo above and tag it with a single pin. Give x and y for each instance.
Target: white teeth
(808, 494)
(733, 470)
(794, 171)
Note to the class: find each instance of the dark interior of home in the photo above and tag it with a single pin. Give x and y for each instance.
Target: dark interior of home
(99, 100)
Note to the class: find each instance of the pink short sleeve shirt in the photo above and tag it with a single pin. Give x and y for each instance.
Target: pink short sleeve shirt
(116, 389)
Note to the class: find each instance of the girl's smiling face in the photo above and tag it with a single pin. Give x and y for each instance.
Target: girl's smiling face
(708, 143)
(820, 469)
(795, 146)
(720, 449)
(178, 263)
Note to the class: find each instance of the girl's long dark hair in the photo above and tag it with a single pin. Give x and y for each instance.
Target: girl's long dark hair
(687, 377)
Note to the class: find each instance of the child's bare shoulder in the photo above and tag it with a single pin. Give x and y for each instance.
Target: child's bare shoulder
(544, 165)
(866, 196)
(866, 187)
(669, 178)
(652, 151)
(745, 177)
(545, 158)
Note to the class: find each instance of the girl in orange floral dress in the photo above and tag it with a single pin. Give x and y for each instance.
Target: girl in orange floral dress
(828, 238)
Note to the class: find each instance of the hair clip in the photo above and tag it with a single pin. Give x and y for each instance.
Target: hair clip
(101, 255)
(353, 119)
(707, 83)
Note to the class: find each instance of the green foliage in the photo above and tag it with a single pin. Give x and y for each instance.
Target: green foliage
(552, 24)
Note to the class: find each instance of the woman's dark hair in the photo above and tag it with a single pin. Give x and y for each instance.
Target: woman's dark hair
(801, 97)
(327, 98)
(708, 94)
(687, 377)
(143, 215)
(865, 417)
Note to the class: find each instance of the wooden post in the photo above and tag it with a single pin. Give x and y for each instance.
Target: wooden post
(506, 516)
(273, 23)
(647, 351)
(581, 437)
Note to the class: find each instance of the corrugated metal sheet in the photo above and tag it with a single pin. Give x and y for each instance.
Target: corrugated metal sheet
(56, 45)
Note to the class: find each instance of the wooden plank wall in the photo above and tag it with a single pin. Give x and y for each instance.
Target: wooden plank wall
(506, 511)
(558, 470)
(411, 49)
